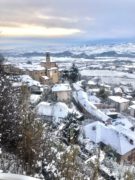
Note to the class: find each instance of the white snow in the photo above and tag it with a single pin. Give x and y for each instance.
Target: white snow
(118, 99)
(83, 100)
(45, 77)
(52, 68)
(61, 87)
(94, 99)
(34, 98)
(132, 107)
(30, 67)
(17, 84)
(91, 83)
(8, 176)
(106, 73)
(122, 122)
(27, 79)
(57, 110)
(118, 90)
(76, 87)
(118, 139)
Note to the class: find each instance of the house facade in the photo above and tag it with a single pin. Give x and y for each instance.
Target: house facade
(132, 110)
(62, 92)
(120, 103)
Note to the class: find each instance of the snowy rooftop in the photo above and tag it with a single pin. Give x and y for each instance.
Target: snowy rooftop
(34, 98)
(61, 87)
(118, 99)
(105, 85)
(122, 122)
(57, 110)
(94, 99)
(76, 86)
(45, 77)
(27, 79)
(82, 98)
(118, 90)
(17, 84)
(52, 68)
(132, 107)
(95, 90)
(118, 139)
(133, 102)
(91, 83)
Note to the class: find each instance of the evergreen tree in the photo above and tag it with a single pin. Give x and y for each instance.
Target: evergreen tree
(71, 130)
(103, 94)
(31, 130)
(74, 73)
(9, 108)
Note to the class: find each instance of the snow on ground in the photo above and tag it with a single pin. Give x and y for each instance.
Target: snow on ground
(106, 73)
(61, 87)
(8, 176)
(30, 67)
(117, 77)
(35, 98)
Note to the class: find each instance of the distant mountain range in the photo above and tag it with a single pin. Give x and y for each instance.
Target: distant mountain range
(81, 55)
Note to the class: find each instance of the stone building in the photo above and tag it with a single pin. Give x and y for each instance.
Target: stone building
(46, 72)
(52, 71)
(120, 103)
(132, 110)
(36, 73)
(45, 80)
(12, 69)
(48, 63)
(62, 92)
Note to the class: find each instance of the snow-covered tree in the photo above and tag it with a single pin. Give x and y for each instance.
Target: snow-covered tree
(74, 73)
(9, 111)
(31, 132)
(71, 130)
(62, 162)
(103, 93)
(71, 75)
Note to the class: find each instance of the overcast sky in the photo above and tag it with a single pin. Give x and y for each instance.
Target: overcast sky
(84, 19)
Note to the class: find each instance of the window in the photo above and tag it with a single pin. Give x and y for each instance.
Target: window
(131, 141)
(94, 128)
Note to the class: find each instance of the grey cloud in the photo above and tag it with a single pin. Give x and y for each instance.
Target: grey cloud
(95, 17)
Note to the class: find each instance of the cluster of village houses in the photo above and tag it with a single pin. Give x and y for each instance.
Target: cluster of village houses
(112, 121)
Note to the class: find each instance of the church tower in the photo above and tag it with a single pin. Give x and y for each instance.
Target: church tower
(48, 57)
(48, 61)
